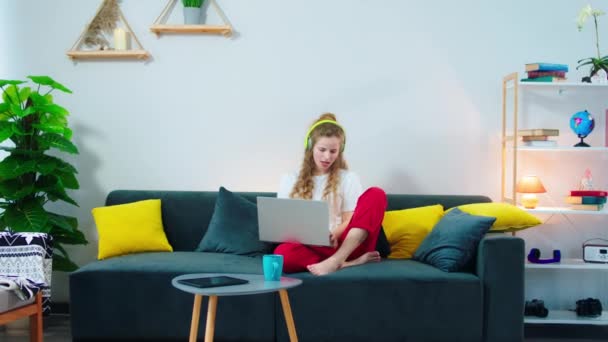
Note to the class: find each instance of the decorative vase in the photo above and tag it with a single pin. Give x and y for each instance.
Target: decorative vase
(192, 15)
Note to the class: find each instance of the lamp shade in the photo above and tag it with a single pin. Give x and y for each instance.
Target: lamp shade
(530, 185)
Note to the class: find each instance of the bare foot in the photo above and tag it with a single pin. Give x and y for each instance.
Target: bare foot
(373, 256)
(324, 267)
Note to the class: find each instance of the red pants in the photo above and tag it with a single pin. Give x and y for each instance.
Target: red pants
(368, 215)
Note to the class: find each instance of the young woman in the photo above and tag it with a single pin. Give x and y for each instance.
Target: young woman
(355, 216)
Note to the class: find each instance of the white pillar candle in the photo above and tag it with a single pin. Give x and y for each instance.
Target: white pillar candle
(120, 39)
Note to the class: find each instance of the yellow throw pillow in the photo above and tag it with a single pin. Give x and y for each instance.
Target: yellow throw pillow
(405, 229)
(130, 228)
(509, 218)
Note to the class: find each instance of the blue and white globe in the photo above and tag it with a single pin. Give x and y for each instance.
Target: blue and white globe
(582, 124)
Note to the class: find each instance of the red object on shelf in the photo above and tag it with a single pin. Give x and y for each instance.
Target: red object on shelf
(588, 193)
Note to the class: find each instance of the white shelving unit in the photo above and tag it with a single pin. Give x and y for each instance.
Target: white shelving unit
(566, 211)
(568, 317)
(576, 264)
(510, 154)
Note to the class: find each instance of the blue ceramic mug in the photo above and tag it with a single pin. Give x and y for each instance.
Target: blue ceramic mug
(273, 267)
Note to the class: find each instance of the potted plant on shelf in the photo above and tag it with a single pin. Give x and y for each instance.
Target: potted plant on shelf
(30, 177)
(192, 11)
(597, 63)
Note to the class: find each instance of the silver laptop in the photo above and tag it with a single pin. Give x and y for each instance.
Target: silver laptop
(287, 219)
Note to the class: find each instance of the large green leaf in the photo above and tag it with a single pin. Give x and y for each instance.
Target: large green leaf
(39, 100)
(52, 109)
(67, 224)
(24, 93)
(45, 80)
(27, 216)
(73, 238)
(4, 110)
(16, 165)
(12, 82)
(11, 95)
(6, 130)
(15, 189)
(50, 128)
(68, 180)
(46, 182)
(63, 263)
(47, 164)
(58, 193)
(52, 140)
(20, 151)
(27, 111)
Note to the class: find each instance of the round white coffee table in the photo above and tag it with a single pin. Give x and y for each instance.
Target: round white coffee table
(256, 285)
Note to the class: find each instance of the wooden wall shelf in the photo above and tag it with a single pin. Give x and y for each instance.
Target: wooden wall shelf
(225, 30)
(160, 26)
(138, 53)
(115, 54)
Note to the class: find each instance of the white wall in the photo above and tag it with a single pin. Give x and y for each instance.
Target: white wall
(415, 83)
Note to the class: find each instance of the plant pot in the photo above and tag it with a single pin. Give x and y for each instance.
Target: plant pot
(192, 15)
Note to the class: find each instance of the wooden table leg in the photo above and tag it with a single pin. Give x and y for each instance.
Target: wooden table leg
(36, 321)
(291, 326)
(196, 315)
(211, 308)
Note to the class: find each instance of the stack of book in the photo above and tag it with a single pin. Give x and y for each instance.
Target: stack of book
(593, 200)
(545, 72)
(538, 137)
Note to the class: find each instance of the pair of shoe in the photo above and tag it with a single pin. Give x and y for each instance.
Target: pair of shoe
(536, 307)
(590, 307)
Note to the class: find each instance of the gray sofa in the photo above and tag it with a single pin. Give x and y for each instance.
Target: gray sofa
(131, 298)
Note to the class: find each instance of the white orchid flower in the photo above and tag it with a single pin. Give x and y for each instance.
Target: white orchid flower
(582, 16)
(585, 13)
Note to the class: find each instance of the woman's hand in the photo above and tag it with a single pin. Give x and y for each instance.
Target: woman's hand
(333, 239)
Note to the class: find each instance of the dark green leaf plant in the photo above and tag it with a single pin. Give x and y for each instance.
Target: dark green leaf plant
(31, 126)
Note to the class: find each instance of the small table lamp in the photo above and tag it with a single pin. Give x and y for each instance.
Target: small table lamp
(529, 186)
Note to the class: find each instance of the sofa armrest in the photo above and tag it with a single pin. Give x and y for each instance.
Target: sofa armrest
(500, 267)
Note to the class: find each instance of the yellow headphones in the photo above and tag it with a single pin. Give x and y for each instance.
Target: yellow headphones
(308, 140)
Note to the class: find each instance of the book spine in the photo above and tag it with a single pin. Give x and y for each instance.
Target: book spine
(544, 79)
(546, 67)
(534, 138)
(536, 74)
(593, 207)
(585, 200)
(588, 193)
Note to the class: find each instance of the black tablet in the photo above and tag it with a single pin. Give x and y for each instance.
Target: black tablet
(212, 281)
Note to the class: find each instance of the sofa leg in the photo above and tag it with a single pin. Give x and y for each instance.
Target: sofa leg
(36, 320)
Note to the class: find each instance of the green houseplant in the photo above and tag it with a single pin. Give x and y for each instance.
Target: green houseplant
(598, 62)
(31, 126)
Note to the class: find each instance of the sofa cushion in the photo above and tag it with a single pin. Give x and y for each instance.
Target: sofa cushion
(453, 241)
(234, 227)
(130, 228)
(405, 229)
(509, 218)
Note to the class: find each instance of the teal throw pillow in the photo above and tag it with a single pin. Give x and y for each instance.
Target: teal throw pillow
(453, 241)
(233, 228)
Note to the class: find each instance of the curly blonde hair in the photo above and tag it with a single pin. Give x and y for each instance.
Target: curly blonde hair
(305, 184)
